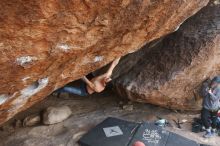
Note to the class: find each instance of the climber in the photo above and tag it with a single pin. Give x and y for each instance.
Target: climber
(96, 84)
(211, 106)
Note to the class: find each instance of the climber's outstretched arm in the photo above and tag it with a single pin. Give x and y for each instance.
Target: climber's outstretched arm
(111, 68)
(88, 82)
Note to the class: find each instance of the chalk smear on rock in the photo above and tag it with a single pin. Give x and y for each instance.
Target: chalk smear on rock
(29, 91)
(98, 58)
(24, 60)
(64, 47)
(3, 98)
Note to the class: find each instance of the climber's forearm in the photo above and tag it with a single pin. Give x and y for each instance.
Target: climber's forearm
(88, 82)
(112, 66)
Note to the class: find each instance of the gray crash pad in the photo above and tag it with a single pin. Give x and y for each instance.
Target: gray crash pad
(150, 135)
(111, 132)
(117, 132)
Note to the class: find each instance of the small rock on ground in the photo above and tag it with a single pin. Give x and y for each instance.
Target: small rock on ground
(54, 115)
(31, 120)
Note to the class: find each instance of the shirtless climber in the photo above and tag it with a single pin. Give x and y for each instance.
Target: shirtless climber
(211, 106)
(97, 84)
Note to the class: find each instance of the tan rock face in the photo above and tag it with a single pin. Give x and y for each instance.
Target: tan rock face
(45, 44)
(171, 73)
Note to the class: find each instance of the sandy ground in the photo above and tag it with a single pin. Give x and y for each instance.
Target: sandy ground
(88, 112)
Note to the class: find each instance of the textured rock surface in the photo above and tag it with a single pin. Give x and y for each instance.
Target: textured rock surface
(171, 73)
(45, 44)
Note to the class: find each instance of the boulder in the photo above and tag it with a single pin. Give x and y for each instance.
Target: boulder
(53, 115)
(45, 44)
(171, 73)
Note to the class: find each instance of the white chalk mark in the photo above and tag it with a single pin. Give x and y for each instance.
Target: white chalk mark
(98, 58)
(25, 79)
(64, 47)
(3, 98)
(24, 60)
(34, 88)
(29, 91)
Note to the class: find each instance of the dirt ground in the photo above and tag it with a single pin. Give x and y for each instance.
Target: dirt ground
(88, 112)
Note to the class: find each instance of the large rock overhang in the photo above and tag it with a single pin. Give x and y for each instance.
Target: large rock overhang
(45, 44)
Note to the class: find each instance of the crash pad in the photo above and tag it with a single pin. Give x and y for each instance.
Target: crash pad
(150, 135)
(117, 132)
(111, 132)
